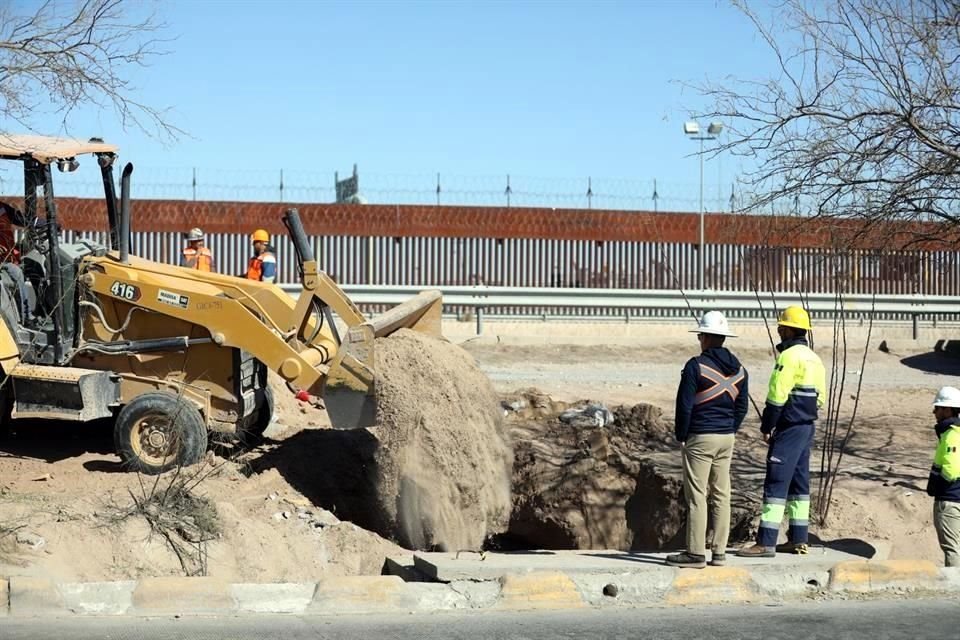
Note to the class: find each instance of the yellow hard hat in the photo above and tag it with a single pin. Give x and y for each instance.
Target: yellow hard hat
(796, 317)
(260, 235)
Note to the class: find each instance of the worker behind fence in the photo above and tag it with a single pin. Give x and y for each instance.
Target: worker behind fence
(195, 255)
(797, 391)
(711, 404)
(263, 264)
(944, 482)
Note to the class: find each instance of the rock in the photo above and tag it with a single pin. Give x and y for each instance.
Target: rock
(516, 405)
(304, 515)
(32, 540)
(285, 515)
(278, 516)
(272, 496)
(43, 478)
(593, 414)
(323, 518)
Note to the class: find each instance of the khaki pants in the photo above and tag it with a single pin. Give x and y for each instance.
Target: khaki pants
(706, 480)
(946, 520)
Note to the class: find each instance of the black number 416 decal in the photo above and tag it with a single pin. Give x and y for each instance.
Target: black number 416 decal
(125, 291)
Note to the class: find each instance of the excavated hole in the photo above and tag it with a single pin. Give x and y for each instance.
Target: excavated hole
(611, 591)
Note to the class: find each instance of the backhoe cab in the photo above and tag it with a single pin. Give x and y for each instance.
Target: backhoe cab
(171, 354)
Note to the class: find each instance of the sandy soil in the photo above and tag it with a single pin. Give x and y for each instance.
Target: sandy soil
(62, 488)
(444, 460)
(60, 484)
(879, 494)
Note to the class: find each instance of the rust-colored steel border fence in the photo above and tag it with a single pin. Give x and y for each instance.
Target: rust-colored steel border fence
(531, 262)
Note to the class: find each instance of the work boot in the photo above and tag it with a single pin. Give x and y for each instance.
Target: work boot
(687, 560)
(718, 559)
(798, 548)
(757, 551)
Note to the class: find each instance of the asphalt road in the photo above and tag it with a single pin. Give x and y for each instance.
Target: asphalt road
(878, 620)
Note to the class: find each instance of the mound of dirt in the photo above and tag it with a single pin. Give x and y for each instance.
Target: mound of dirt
(582, 486)
(443, 460)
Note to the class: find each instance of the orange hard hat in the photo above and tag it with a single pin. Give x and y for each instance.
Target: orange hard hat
(260, 235)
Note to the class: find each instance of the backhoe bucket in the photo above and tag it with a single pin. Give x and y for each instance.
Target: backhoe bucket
(350, 394)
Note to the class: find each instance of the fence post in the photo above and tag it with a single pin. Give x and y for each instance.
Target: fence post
(479, 315)
(916, 329)
(371, 247)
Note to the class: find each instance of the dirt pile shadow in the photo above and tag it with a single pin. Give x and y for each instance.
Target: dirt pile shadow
(333, 469)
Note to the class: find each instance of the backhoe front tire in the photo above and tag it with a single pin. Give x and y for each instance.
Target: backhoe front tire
(158, 431)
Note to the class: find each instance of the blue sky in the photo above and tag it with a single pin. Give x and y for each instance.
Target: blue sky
(473, 90)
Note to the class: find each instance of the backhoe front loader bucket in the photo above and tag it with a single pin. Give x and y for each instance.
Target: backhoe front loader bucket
(349, 384)
(350, 394)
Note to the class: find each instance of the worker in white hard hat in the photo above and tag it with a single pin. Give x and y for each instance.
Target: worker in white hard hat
(195, 255)
(712, 401)
(796, 392)
(944, 482)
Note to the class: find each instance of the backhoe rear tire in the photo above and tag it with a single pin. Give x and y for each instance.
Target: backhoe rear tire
(158, 431)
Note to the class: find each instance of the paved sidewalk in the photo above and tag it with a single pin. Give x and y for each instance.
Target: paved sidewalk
(449, 567)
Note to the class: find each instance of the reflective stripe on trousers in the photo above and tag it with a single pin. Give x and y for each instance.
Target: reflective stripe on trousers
(786, 488)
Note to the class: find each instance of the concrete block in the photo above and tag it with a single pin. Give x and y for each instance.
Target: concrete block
(287, 597)
(865, 576)
(35, 597)
(951, 578)
(539, 590)
(787, 581)
(478, 594)
(650, 586)
(174, 595)
(405, 568)
(99, 598)
(357, 594)
(713, 585)
(424, 596)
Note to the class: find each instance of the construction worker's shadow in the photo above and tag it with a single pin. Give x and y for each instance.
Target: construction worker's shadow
(943, 359)
(851, 546)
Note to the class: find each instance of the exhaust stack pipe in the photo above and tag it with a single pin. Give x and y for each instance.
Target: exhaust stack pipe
(291, 220)
(110, 191)
(124, 240)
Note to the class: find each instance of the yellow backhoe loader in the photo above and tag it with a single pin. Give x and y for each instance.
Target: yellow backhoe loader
(171, 354)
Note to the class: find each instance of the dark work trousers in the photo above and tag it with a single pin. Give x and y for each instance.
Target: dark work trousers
(787, 485)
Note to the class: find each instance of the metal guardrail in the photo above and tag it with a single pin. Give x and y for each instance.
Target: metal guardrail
(483, 297)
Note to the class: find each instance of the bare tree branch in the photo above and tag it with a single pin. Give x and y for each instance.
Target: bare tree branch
(864, 119)
(66, 55)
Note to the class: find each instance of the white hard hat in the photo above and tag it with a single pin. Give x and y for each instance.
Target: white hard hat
(195, 234)
(947, 397)
(714, 323)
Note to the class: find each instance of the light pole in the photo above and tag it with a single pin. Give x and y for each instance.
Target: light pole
(692, 129)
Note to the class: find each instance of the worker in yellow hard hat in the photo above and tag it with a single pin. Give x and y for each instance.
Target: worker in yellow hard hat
(798, 388)
(263, 264)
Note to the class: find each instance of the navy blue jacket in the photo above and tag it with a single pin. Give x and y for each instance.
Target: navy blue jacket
(703, 404)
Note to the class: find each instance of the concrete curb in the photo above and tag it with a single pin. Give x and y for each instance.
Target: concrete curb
(27, 596)
(866, 576)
